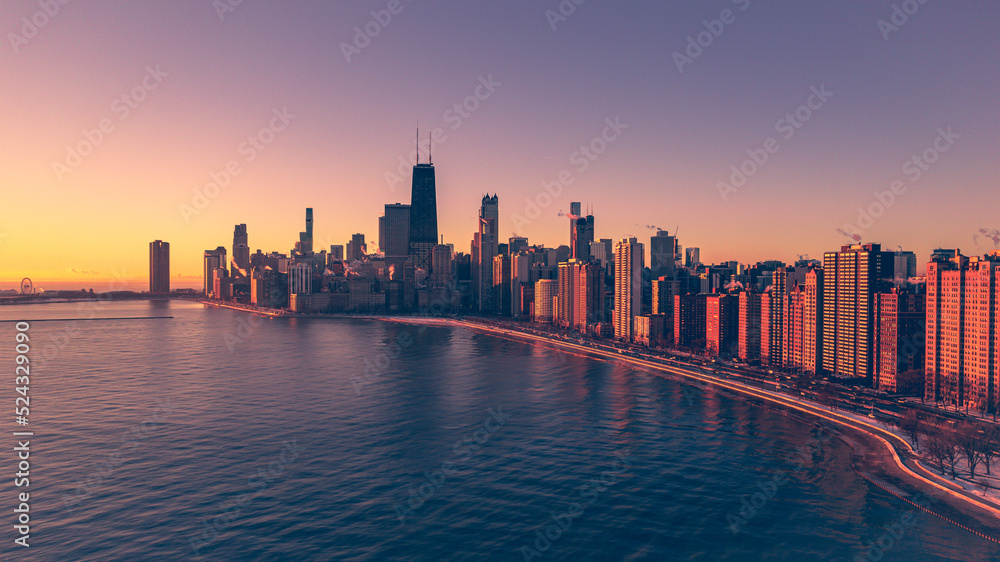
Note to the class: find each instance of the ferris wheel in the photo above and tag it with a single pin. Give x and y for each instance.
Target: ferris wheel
(26, 287)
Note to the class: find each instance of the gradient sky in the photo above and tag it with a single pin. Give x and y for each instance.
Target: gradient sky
(354, 120)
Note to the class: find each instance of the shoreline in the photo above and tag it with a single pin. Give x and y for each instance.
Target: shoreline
(890, 462)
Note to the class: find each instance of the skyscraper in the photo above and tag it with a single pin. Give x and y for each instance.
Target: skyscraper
(722, 322)
(692, 257)
(589, 295)
(812, 323)
(850, 279)
(241, 253)
(545, 293)
(900, 318)
(305, 243)
(423, 216)
(629, 260)
(661, 255)
(213, 260)
(581, 233)
(962, 364)
(749, 326)
(159, 267)
(394, 233)
(484, 249)
(356, 248)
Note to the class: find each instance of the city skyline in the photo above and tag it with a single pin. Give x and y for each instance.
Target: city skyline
(662, 140)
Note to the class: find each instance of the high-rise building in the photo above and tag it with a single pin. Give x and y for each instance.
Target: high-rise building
(394, 233)
(692, 257)
(850, 280)
(159, 267)
(900, 318)
(546, 291)
(423, 216)
(300, 279)
(441, 266)
(356, 248)
(516, 244)
(305, 244)
(581, 233)
(241, 253)
(650, 329)
(567, 293)
(962, 365)
(749, 326)
(629, 260)
(337, 252)
(722, 323)
(214, 259)
(589, 295)
(501, 284)
(661, 255)
(603, 251)
(812, 322)
(904, 266)
(662, 302)
(690, 313)
(484, 249)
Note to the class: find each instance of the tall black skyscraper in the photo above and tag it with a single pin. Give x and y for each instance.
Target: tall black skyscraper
(159, 267)
(241, 253)
(423, 216)
(305, 243)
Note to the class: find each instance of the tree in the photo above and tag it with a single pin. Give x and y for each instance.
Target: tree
(942, 448)
(910, 382)
(967, 438)
(912, 424)
(988, 444)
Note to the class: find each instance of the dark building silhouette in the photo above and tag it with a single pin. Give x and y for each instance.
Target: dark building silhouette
(241, 252)
(159, 267)
(305, 243)
(423, 216)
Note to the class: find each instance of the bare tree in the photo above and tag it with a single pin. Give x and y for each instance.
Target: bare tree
(942, 448)
(912, 424)
(967, 439)
(987, 445)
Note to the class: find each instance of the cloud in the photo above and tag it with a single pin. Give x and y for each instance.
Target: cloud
(82, 271)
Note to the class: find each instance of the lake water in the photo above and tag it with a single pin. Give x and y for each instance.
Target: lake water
(220, 435)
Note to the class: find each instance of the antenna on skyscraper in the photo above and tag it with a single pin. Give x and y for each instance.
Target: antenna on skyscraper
(418, 141)
(430, 149)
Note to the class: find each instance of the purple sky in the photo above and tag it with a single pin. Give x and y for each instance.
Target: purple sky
(553, 90)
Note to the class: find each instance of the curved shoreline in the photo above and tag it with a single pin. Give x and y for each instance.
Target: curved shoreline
(906, 470)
